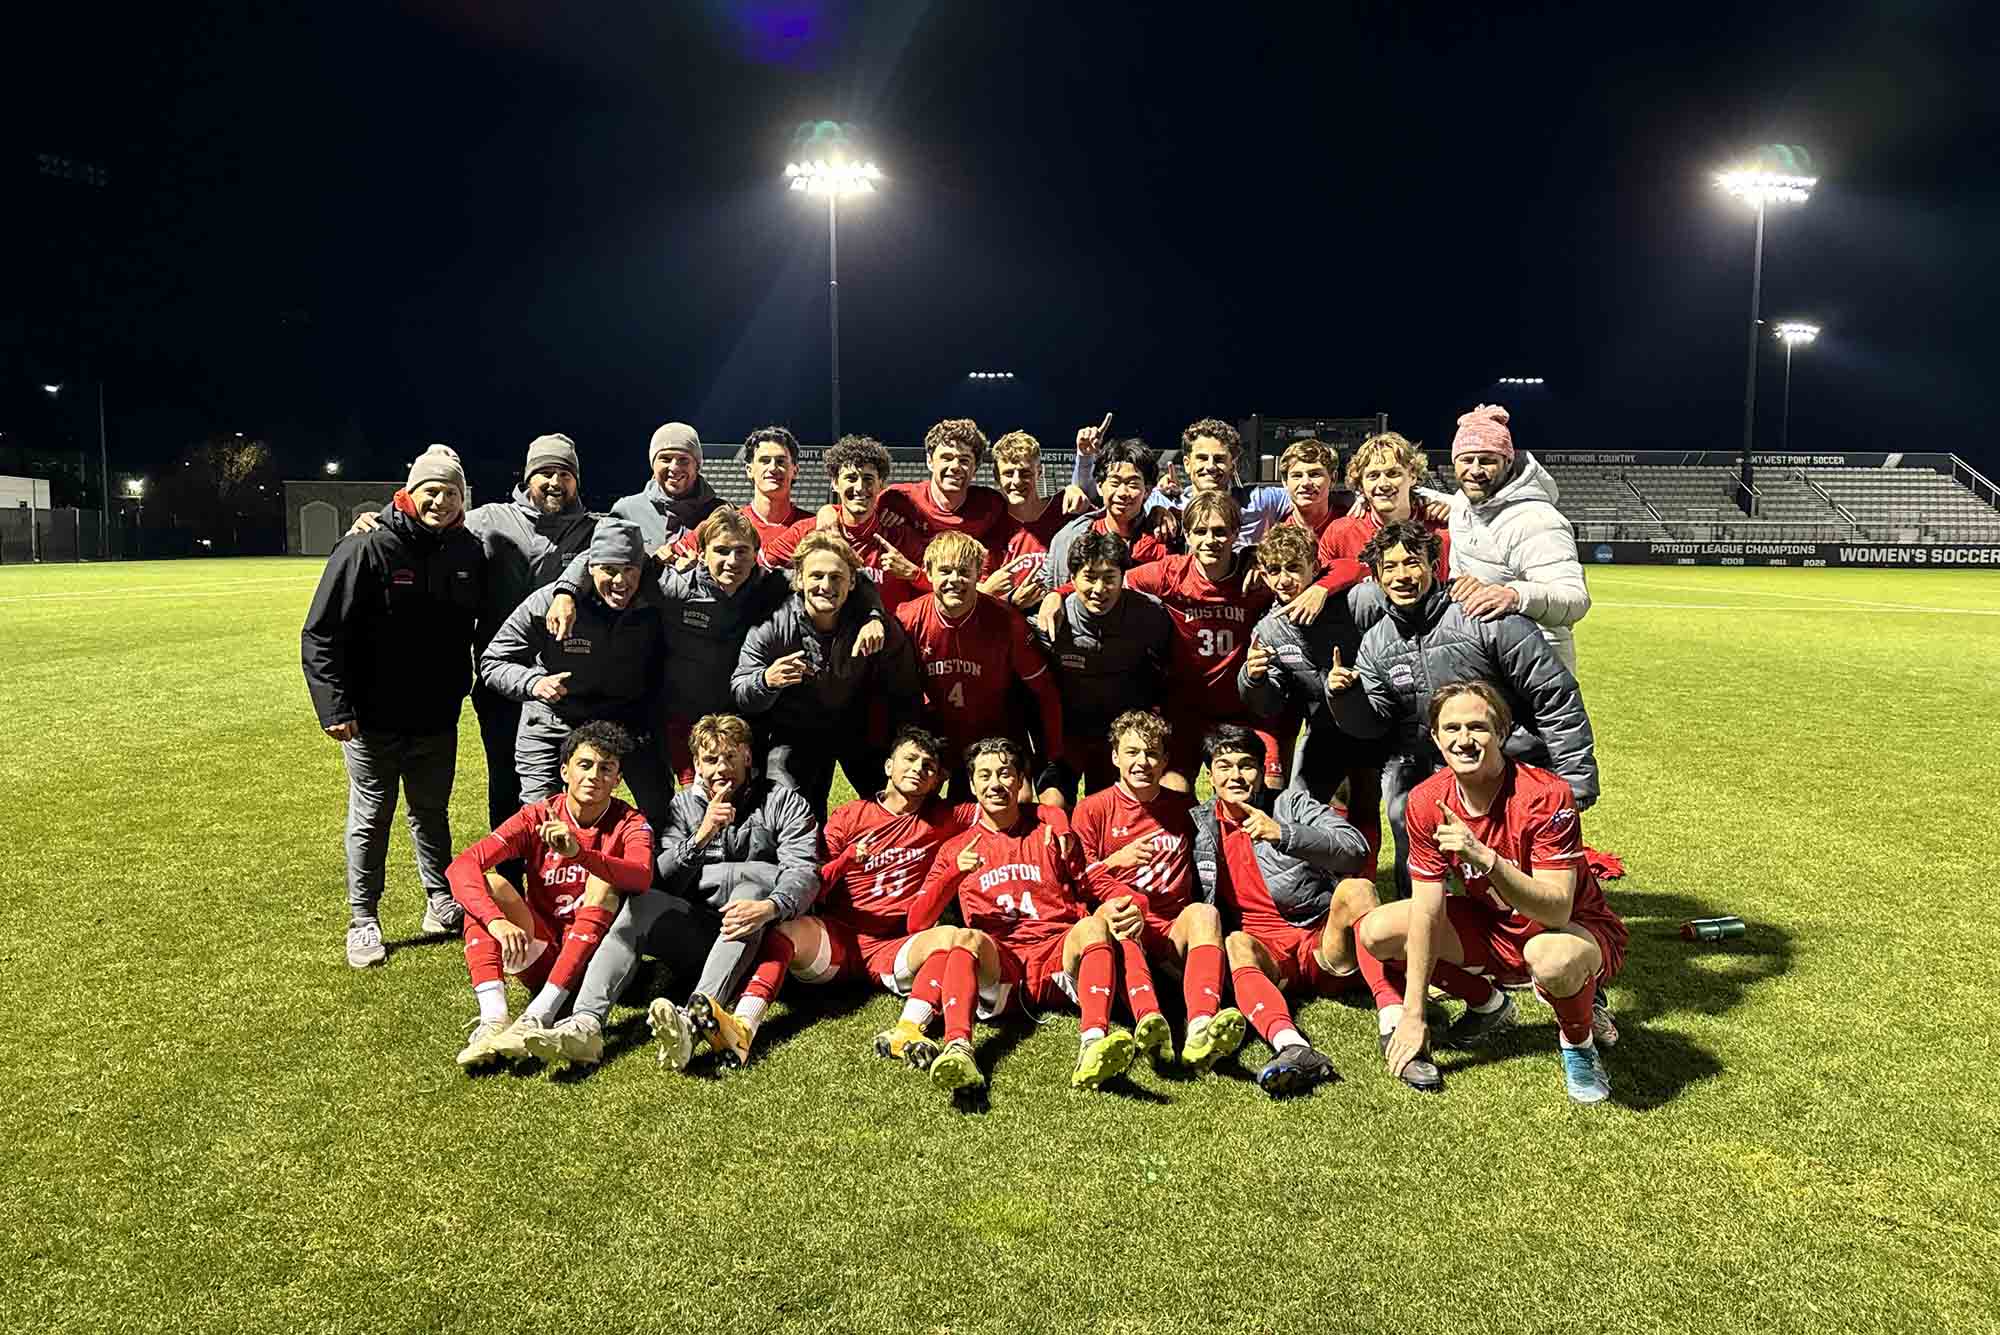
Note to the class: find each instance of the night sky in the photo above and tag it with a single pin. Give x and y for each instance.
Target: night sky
(356, 228)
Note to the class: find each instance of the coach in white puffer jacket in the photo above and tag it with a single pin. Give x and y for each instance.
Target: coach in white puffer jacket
(1511, 549)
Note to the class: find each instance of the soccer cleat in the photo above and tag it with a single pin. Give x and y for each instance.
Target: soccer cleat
(1584, 1075)
(1155, 1038)
(364, 944)
(1473, 1027)
(1104, 1058)
(478, 1050)
(443, 916)
(671, 1034)
(1420, 1072)
(724, 1032)
(1211, 1039)
(1295, 1071)
(955, 1069)
(906, 1042)
(519, 1041)
(578, 1039)
(1603, 1024)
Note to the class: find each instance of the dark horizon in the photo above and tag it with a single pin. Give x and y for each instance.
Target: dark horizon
(354, 232)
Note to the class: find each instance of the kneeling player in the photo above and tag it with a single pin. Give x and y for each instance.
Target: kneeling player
(879, 850)
(1137, 840)
(1509, 833)
(1273, 877)
(1016, 884)
(580, 850)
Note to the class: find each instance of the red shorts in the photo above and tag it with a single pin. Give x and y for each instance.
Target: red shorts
(1493, 942)
(482, 952)
(1296, 953)
(847, 956)
(1184, 745)
(1035, 974)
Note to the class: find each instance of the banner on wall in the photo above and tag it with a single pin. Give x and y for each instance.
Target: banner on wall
(1938, 463)
(1858, 555)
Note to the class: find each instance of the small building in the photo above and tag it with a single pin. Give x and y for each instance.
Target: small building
(319, 510)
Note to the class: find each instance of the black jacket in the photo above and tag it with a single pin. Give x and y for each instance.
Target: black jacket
(388, 640)
(613, 658)
(836, 698)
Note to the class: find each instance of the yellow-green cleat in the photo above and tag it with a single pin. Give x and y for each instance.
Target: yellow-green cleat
(1155, 1038)
(955, 1069)
(1209, 1043)
(1103, 1059)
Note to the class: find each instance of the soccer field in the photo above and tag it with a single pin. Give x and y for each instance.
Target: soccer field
(212, 1123)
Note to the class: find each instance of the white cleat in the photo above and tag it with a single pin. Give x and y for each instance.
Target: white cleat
(672, 1035)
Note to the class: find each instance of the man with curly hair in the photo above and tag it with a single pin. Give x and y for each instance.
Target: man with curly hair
(891, 552)
(949, 501)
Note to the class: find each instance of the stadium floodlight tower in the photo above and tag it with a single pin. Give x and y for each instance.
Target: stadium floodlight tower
(1777, 175)
(1793, 334)
(835, 173)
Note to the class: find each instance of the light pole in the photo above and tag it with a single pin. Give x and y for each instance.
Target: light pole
(1793, 334)
(1759, 186)
(833, 177)
(103, 470)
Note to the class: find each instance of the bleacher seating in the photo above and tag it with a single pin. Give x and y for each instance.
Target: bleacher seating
(724, 472)
(1908, 504)
(1601, 504)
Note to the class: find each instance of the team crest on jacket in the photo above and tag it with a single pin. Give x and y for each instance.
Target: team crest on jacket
(403, 578)
(576, 644)
(1401, 674)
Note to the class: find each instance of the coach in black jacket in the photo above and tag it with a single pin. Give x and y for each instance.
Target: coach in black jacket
(1427, 641)
(387, 652)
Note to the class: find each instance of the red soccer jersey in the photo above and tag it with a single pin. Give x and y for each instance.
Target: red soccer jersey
(895, 590)
(969, 667)
(1112, 818)
(871, 892)
(1532, 823)
(1297, 519)
(1212, 625)
(766, 533)
(1025, 548)
(981, 515)
(617, 849)
(1022, 894)
(1345, 537)
(1240, 891)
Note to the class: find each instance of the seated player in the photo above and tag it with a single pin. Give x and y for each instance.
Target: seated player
(879, 851)
(1426, 639)
(886, 549)
(1508, 834)
(1137, 840)
(607, 667)
(799, 673)
(580, 851)
(1108, 654)
(1016, 886)
(972, 649)
(1286, 674)
(1290, 886)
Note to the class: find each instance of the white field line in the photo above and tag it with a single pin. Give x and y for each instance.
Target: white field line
(215, 587)
(1772, 593)
(1867, 609)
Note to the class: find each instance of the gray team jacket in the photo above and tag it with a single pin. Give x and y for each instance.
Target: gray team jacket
(835, 698)
(1105, 667)
(1315, 849)
(525, 549)
(773, 844)
(1303, 654)
(1412, 651)
(613, 659)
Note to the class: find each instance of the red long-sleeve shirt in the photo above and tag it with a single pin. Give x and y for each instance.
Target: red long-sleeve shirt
(616, 849)
(1024, 891)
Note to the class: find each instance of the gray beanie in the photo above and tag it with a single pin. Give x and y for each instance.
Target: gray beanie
(439, 463)
(554, 451)
(672, 438)
(617, 542)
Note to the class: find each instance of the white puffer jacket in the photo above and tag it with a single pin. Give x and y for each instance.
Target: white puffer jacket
(1518, 538)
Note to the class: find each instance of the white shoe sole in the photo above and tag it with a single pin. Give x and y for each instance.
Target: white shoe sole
(671, 1034)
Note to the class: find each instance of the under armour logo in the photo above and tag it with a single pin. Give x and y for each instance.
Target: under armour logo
(1105, 990)
(1211, 992)
(1256, 1010)
(1135, 991)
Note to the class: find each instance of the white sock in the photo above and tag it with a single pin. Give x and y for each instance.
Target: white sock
(750, 1010)
(1590, 1042)
(1388, 1018)
(918, 1012)
(546, 1003)
(1493, 1003)
(1089, 1036)
(1288, 1038)
(492, 1002)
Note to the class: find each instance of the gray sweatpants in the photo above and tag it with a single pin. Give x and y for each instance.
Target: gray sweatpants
(423, 764)
(682, 928)
(538, 758)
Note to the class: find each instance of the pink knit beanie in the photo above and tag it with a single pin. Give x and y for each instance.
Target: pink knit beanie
(1484, 428)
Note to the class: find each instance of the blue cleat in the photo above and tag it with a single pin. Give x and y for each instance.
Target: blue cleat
(1584, 1075)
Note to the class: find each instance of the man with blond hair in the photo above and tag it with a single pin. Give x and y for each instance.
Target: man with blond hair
(1383, 473)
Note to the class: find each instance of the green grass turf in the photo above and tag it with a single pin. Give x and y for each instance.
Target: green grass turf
(212, 1123)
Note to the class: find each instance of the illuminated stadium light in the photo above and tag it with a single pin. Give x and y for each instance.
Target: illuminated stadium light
(1795, 333)
(1754, 185)
(989, 375)
(333, 468)
(1522, 380)
(838, 177)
